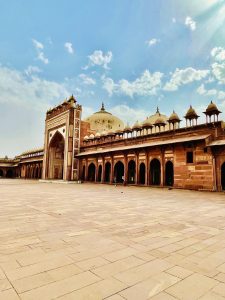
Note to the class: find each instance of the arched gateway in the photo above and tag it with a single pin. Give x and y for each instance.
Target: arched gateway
(107, 171)
(119, 172)
(56, 157)
(131, 171)
(223, 176)
(142, 173)
(91, 172)
(155, 172)
(169, 174)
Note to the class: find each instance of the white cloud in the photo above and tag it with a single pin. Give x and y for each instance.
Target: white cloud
(69, 47)
(218, 65)
(98, 58)
(30, 70)
(108, 85)
(25, 99)
(37, 44)
(128, 114)
(218, 53)
(201, 90)
(87, 80)
(40, 54)
(145, 85)
(218, 70)
(31, 92)
(152, 42)
(190, 23)
(184, 76)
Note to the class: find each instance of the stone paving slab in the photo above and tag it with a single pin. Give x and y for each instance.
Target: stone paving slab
(94, 241)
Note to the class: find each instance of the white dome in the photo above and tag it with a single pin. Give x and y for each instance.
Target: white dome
(103, 120)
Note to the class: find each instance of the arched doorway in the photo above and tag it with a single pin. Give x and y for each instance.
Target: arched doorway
(91, 172)
(155, 172)
(1, 173)
(9, 174)
(107, 171)
(223, 176)
(119, 172)
(100, 173)
(56, 157)
(142, 173)
(131, 171)
(37, 173)
(83, 173)
(169, 174)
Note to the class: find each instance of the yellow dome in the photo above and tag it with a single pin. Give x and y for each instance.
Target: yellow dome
(212, 109)
(136, 126)
(174, 117)
(154, 119)
(191, 114)
(103, 120)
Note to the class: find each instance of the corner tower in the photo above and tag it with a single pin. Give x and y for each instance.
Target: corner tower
(62, 141)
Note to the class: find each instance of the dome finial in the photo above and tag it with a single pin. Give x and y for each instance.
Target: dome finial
(157, 109)
(103, 107)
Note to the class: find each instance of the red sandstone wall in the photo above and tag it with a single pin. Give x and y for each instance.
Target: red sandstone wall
(196, 175)
(85, 130)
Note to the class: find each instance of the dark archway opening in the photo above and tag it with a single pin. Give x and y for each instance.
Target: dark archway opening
(56, 157)
(131, 171)
(142, 173)
(169, 178)
(100, 173)
(223, 176)
(9, 174)
(107, 171)
(83, 173)
(37, 173)
(155, 172)
(119, 172)
(1, 173)
(91, 172)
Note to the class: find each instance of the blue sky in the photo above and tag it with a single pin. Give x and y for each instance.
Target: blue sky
(131, 54)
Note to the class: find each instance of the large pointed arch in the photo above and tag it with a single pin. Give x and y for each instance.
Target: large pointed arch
(169, 173)
(119, 172)
(131, 171)
(155, 172)
(223, 176)
(56, 156)
(91, 172)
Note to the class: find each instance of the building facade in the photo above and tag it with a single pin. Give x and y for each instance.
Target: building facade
(155, 152)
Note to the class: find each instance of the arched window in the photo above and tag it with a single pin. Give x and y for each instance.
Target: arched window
(155, 172)
(119, 172)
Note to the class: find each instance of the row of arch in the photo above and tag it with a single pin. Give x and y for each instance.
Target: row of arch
(8, 173)
(33, 171)
(94, 174)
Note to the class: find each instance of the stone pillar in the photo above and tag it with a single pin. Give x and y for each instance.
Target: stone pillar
(162, 168)
(125, 169)
(103, 169)
(111, 171)
(147, 173)
(86, 170)
(136, 168)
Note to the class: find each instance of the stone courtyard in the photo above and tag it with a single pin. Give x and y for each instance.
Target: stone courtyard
(93, 241)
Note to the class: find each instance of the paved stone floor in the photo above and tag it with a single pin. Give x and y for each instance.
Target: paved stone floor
(88, 241)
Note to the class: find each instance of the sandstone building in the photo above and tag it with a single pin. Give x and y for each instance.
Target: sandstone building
(102, 149)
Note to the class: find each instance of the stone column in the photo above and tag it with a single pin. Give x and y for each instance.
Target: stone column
(103, 169)
(147, 177)
(162, 168)
(125, 169)
(86, 170)
(111, 171)
(136, 167)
